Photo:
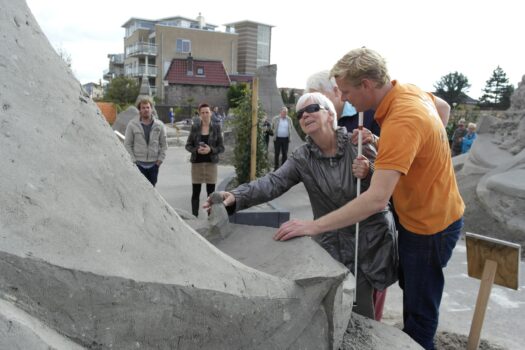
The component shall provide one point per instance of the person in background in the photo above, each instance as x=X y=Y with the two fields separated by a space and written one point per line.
x=469 y=138
x=413 y=166
x=457 y=137
x=282 y=131
x=145 y=141
x=171 y=116
x=324 y=166
x=267 y=131
x=348 y=118
x=205 y=144
x=217 y=117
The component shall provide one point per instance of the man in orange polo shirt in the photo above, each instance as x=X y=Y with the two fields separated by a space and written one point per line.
x=413 y=166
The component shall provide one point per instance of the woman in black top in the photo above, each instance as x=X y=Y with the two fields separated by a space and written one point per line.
x=204 y=143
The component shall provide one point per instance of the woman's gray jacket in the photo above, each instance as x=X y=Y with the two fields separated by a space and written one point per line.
x=330 y=185
x=214 y=140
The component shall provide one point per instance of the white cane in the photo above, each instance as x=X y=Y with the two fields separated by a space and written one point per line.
x=359 y=153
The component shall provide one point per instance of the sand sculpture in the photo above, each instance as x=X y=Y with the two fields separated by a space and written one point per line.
x=123 y=118
x=492 y=174
x=91 y=256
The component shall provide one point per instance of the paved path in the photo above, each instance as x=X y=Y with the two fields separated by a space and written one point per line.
x=504 y=320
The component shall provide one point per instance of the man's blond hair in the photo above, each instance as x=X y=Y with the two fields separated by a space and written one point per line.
x=359 y=64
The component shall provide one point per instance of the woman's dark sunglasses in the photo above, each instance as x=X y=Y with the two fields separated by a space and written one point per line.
x=309 y=109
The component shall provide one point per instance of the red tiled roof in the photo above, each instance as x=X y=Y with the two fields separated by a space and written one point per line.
x=214 y=73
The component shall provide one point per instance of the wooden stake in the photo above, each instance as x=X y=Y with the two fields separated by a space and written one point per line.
x=255 y=105
x=487 y=280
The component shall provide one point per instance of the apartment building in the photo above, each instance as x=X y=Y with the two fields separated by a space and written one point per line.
x=151 y=47
x=116 y=66
x=254 y=45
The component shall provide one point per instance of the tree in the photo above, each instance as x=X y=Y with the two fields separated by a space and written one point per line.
x=284 y=97
x=242 y=130
x=505 y=99
x=235 y=93
x=291 y=97
x=452 y=87
x=123 y=91
x=190 y=101
x=497 y=90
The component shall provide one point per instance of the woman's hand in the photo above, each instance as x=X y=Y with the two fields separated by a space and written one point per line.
x=295 y=228
x=360 y=167
x=204 y=149
x=228 y=199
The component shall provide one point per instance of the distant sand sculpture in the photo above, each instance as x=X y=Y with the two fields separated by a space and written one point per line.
x=492 y=175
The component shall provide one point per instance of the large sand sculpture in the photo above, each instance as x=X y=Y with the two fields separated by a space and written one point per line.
x=492 y=175
x=91 y=256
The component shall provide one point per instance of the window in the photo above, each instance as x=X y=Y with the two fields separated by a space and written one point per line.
x=185 y=24
x=183 y=46
x=200 y=70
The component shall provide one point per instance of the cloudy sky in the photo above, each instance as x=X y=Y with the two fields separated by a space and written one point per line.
x=421 y=40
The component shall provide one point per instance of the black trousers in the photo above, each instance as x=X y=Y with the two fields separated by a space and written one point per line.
x=280 y=146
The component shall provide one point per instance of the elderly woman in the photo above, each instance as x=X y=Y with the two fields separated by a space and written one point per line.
x=469 y=138
x=204 y=143
x=324 y=166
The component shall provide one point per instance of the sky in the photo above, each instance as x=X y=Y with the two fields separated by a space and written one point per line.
x=420 y=40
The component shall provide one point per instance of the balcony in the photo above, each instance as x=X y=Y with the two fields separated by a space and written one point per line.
x=116 y=59
x=149 y=70
x=141 y=49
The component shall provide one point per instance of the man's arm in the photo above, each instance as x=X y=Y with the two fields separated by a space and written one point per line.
x=370 y=202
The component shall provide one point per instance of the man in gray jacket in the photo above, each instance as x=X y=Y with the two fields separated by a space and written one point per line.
x=146 y=141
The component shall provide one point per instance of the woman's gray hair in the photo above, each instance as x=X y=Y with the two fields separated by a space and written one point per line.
x=322 y=100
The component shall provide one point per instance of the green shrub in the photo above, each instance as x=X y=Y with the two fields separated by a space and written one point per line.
x=241 y=126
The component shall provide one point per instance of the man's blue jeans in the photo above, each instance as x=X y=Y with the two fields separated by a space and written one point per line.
x=150 y=173
x=421 y=262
